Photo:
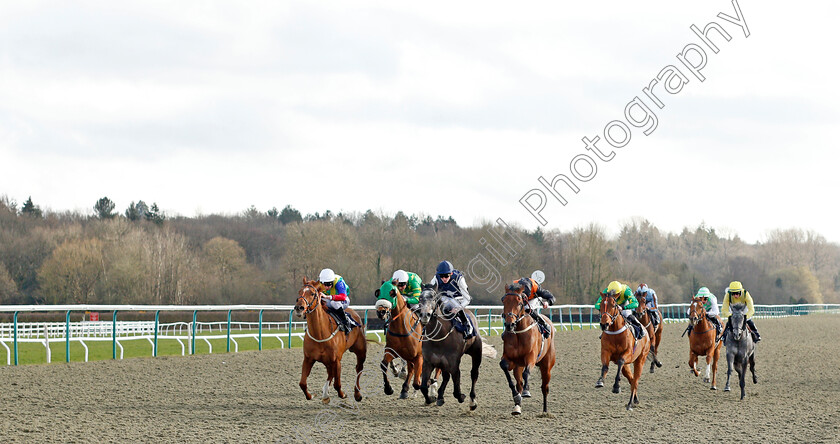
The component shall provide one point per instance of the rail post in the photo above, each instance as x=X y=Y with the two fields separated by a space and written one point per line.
x=259 y=341
x=15 y=334
x=192 y=338
x=114 y=336
x=228 y=332
x=489 y=327
x=67 y=337
x=290 y=327
x=157 y=325
x=571 y=324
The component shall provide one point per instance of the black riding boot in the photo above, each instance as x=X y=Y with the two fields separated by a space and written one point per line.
x=544 y=329
x=725 y=331
x=718 y=327
x=756 y=335
x=654 y=318
x=465 y=322
x=637 y=326
x=345 y=323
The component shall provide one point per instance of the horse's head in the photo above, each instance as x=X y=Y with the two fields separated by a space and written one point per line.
x=696 y=312
x=641 y=308
x=428 y=303
x=609 y=310
x=738 y=320
x=308 y=298
x=514 y=306
x=384 y=304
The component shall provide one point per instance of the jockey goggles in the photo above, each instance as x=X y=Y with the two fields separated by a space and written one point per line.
x=446 y=275
x=327 y=284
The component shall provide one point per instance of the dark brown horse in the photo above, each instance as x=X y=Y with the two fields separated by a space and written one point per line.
x=443 y=348
x=643 y=315
x=620 y=346
x=402 y=341
x=701 y=342
x=524 y=347
x=325 y=343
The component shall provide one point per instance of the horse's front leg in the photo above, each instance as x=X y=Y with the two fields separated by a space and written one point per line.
x=742 y=373
x=456 y=384
x=752 y=368
x=424 y=382
x=337 y=376
x=517 y=398
x=409 y=375
x=383 y=366
x=709 y=356
x=605 y=366
x=442 y=387
x=307 y=368
x=616 y=387
x=692 y=363
x=728 y=370
x=525 y=374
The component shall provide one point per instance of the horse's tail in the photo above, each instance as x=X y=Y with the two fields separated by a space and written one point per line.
x=488 y=350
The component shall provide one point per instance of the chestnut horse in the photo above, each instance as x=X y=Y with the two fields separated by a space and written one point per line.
x=325 y=343
x=643 y=315
x=402 y=341
x=524 y=347
x=620 y=346
x=701 y=342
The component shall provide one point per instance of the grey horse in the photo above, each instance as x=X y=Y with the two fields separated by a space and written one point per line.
x=740 y=347
x=443 y=348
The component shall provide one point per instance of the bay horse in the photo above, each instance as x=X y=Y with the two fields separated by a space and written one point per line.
x=443 y=348
x=620 y=346
x=524 y=347
x=325 y=343
x=644 y=317
x=740 y=348
x=701 y=342
x=402 y=341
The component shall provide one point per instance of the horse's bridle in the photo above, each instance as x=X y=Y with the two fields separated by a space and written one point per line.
x=511 y=314
x=609 y=313
x=310 y=305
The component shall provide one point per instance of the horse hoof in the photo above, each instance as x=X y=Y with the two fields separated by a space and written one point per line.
x=726 y=389
x=755 y=380
x=439 y=402
x=714 y=388
x=629 y=407
x=658 y=364
x=526 y=394
x=651 y=369
x=517 y=399
x=599 y=384
x=461 y=398
x=403 y=395
x=325 y=401
x=517 y=410
x=473 y=405
x=616 y=389
x=308 y=396
x=389 y=390
x=706 y=380
x=357 y=397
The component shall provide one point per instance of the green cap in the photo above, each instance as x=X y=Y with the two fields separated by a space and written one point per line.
x=703 y=292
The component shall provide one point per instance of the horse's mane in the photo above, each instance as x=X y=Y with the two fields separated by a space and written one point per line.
x=516 y=286
x=739 y=308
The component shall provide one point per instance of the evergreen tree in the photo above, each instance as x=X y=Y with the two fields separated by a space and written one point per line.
x=104 y=208
x=29 y=209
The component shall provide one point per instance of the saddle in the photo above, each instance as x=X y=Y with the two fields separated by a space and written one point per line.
x=462 y=328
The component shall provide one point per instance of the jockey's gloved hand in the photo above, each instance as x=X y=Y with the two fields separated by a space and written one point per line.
x=551 y=301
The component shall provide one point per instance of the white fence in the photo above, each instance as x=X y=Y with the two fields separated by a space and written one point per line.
x=564 y=317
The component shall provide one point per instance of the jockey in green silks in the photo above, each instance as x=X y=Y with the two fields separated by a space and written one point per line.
x=623 y=298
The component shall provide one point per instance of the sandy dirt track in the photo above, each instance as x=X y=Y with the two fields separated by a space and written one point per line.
x=254 y=397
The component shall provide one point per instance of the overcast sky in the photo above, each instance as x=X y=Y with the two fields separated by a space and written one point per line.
x=452 y=108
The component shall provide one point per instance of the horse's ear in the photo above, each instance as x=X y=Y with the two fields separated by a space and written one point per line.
x=305 y=281
x=376 y=293
x=428 y=286
x=383 y=281
x=393 y=293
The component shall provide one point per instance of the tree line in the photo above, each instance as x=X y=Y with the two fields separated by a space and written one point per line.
x=143 y=256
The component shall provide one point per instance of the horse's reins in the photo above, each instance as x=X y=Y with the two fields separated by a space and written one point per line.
x=520 y=318
x=316 y=299
x=425 y=337
x=410 y=330
x=698 y=317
